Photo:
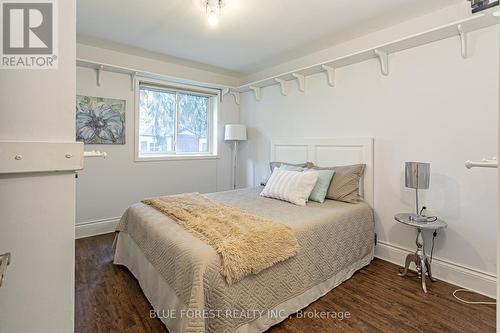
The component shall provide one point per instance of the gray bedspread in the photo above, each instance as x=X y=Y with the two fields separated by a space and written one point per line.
x=332 y=236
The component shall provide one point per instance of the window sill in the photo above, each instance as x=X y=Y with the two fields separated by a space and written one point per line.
x=175 y=158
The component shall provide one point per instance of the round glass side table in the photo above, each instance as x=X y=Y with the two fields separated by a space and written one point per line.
x=420 y=259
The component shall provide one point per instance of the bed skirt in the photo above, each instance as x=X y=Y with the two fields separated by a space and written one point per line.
x=167 y=305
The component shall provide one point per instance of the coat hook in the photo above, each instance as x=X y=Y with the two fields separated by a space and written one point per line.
x=463 y=41
x=224 y=92
x=236 y=95
x=301 y=79
x=384 y=61
x=229 y=91
x=285 y=87
x=330 y=74
x=132 y=81
x=99 y=75
x=257 y=91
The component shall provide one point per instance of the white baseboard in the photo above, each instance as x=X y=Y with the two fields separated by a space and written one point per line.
x=460 y=275
x=97 y=227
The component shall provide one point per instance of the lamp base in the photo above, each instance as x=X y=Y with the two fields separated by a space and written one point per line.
x=418 y=218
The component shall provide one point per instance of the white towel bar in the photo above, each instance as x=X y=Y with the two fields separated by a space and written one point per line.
x=484 y=163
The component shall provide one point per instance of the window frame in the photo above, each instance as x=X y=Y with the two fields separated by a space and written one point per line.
x=214 y=105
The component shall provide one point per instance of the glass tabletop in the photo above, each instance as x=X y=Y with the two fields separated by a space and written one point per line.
x=405 y=219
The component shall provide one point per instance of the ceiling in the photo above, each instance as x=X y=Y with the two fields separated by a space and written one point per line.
x=251 y=35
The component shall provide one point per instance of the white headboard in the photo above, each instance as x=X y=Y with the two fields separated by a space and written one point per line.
x=325 y=152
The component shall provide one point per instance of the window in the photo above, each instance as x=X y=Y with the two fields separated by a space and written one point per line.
x=174 y=123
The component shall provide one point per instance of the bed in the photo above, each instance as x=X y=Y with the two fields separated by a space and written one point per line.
x=180 y=274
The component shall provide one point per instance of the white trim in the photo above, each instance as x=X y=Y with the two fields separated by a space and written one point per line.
x=175 y=157
x=96 y=227
x=445 y=270
x=177 y=87
x=214 y=106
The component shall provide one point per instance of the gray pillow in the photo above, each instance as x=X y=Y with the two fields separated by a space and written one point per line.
x=274 y=165
x=345 y=182
x=305 y=165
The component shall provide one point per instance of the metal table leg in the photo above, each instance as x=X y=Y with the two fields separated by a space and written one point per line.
x=428 y=266
x=409 y=259
x=423 y=271
x=421 y=261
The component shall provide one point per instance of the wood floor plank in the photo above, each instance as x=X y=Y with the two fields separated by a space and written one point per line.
x=109 y=299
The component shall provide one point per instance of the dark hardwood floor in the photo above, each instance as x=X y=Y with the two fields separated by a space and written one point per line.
x=109 y=299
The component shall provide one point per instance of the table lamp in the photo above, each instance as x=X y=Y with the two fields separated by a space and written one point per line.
x=235 y=133
x=417 y=176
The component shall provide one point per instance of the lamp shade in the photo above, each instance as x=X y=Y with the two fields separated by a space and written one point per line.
x=235 y=132
x=417 y=175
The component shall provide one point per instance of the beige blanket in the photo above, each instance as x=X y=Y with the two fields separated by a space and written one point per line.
x=246 y=243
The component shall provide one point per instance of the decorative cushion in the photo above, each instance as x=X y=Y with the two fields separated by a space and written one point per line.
x=319 y=191
x=291 y=186
x=274 y=165
x=289 y=167
x=345 y=182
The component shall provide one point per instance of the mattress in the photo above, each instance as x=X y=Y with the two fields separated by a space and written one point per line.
x=180 y=274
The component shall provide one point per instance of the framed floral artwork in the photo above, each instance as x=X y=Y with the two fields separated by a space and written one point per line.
x=100 y=120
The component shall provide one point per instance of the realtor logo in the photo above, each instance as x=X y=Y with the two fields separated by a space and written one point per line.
x=28 y=34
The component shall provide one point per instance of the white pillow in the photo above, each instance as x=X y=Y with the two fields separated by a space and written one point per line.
x=291 y=186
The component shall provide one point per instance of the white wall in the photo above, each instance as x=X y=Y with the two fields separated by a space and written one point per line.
x=108 y=186
x=435 y=107
x=141 y=60
x=37 y=211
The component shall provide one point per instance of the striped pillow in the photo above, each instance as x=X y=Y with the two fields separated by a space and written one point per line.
x=291 y=186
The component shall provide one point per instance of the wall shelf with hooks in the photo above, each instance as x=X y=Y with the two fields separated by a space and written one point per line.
x=381 y=52
x=459 y=29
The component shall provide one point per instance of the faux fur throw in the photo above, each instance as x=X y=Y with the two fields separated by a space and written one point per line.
x=246 y=243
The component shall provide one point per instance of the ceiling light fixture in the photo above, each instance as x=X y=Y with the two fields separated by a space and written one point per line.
x=213 y=18
x=213 y=9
